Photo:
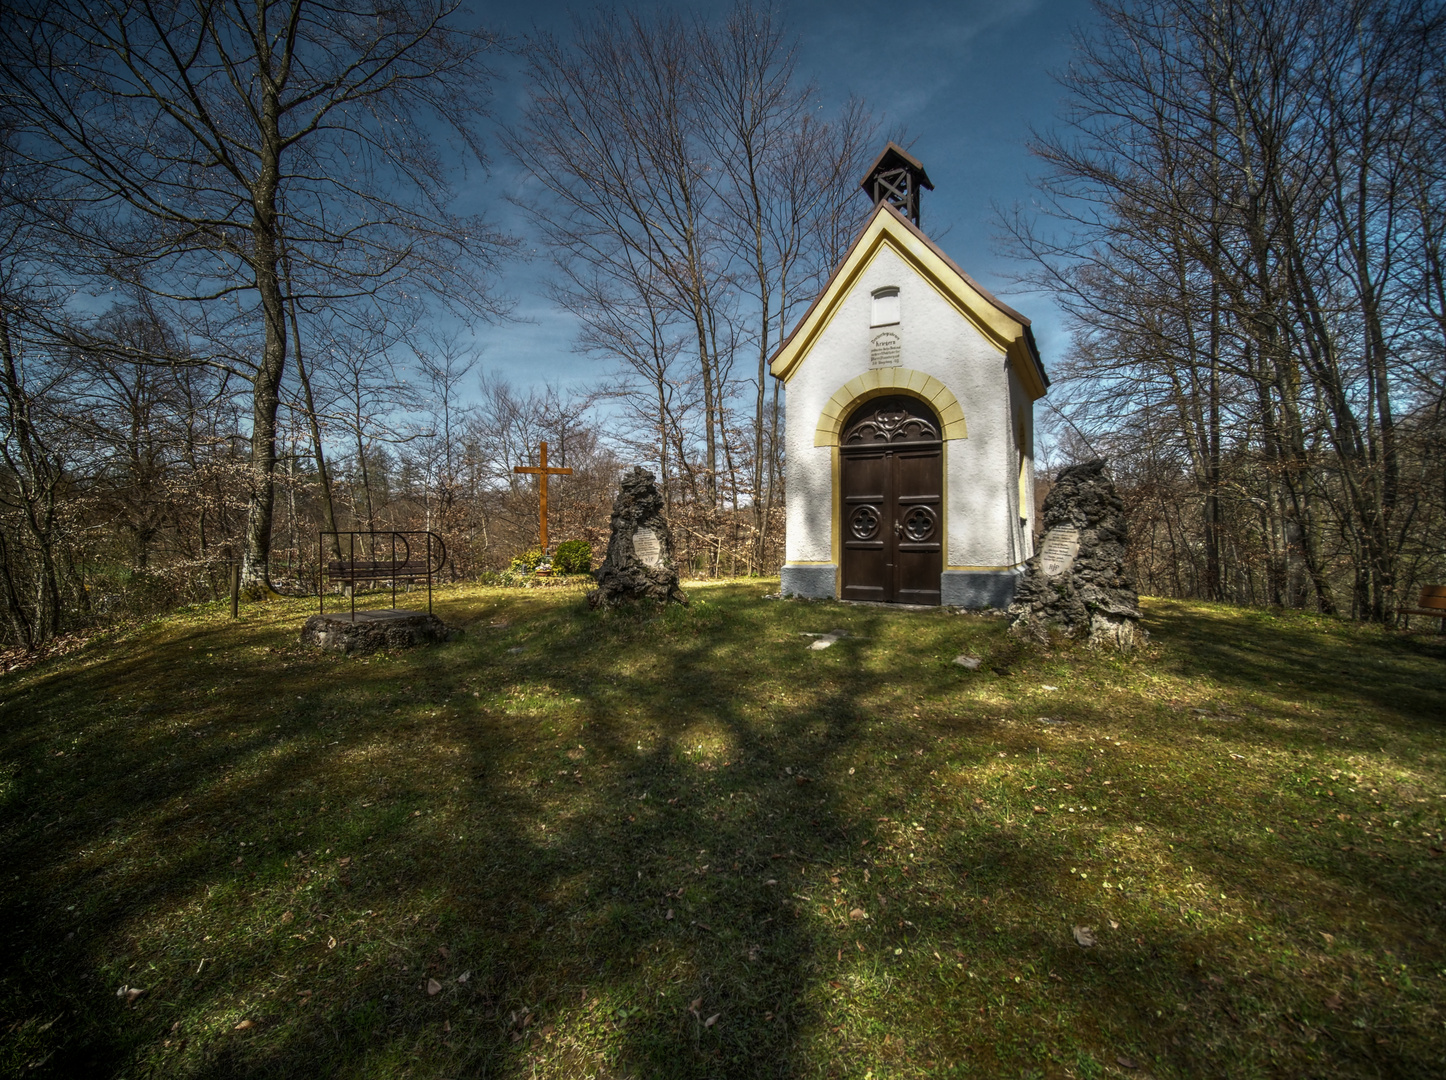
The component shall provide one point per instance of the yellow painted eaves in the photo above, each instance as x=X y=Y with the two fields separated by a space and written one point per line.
x=888 y=229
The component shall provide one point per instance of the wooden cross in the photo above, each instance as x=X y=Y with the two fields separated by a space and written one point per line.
x=543 y=472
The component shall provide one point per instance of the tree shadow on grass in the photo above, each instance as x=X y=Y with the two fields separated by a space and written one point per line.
x=1296 y=656
x=556 y=903
x=536 y=838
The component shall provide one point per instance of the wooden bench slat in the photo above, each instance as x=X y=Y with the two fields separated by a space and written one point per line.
x=1431 y=603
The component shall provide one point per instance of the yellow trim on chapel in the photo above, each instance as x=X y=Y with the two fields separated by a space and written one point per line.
x=877 y=383
x=886 y=230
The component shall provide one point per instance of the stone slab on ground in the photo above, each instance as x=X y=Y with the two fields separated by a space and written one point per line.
x=370 y=631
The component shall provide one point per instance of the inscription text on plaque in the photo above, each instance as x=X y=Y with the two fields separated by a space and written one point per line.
x=1058 y=550
x=647 y=548
x=885 y=350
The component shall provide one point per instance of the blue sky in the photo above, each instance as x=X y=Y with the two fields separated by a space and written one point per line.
x=967 y=79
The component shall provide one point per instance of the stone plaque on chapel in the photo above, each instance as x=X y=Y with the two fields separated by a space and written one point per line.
x=645 y=544
x=1057 y=552
x=885 y=350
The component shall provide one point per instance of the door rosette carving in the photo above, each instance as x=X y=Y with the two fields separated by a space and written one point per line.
x=865 y=523
x=919 y=524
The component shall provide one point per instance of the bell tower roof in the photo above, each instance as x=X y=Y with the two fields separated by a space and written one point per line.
x=896 y=177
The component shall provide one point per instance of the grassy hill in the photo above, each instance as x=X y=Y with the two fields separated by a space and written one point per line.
x=574 y=844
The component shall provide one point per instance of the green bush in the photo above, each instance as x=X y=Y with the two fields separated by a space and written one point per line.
x=573 y=557
x=526 y=563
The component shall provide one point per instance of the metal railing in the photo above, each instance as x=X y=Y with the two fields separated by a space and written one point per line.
x=374 y=569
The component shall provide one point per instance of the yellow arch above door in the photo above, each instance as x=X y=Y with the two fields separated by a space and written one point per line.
x=879 y=382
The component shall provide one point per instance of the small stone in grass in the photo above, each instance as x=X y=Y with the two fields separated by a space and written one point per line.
x=433 y=987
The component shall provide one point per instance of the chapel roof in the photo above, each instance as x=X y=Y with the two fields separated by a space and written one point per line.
x=1006 y=327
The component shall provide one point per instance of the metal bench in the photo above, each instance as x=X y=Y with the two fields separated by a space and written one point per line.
x=1432 y=603
x=390 y=559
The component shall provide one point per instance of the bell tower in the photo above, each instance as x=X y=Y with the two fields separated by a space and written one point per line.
x=896 y=178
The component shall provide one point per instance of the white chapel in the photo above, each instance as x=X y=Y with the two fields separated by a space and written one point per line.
x=910 y=421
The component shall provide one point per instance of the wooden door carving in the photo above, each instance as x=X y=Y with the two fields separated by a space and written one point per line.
x=892 y=478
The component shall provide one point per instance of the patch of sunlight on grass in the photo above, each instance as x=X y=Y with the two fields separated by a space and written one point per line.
x=1246 y=813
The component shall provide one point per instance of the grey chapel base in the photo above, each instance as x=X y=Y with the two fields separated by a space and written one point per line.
x=816 y=581
x=978 y=588
x=957 y=588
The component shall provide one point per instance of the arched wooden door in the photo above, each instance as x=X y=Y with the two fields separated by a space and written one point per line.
x=892 y=477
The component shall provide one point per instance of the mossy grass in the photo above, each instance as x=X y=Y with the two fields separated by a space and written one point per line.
x=684 y=844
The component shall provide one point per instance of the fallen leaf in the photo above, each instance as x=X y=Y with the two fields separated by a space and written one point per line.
x=433 y=987
x=697 y=1004
x=464 y=976
x=444 y=952
x=286 y=917
x=244 y=1025
x=970 y=662
x=1126 y=1063
x=711 y=1020
x=669 y=915
x=1334 y=1002
x=858 y=913
x=1040 y=810
x=1085 y=936
x=133 y=993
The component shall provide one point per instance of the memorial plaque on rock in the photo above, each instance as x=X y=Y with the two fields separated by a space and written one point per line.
x=1057 y=552
x=640 y=564
x=647 y=548
x=1065 y=594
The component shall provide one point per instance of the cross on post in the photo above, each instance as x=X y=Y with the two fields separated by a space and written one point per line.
x=543 y=472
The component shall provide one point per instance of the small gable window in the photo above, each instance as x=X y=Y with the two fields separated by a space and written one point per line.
x=886 y=306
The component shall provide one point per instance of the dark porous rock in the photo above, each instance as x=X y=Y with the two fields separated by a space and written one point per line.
x=370 y=631
x=640 y=564
x=1076 y=583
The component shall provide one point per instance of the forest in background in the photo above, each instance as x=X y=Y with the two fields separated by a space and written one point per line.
x=229 y=244
x=1245 y=219
x=228 y=256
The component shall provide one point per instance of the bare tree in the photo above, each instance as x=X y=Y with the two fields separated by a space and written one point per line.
x=691 y=194
x=783 y=183
x=1244 y=241
x=201 y=137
